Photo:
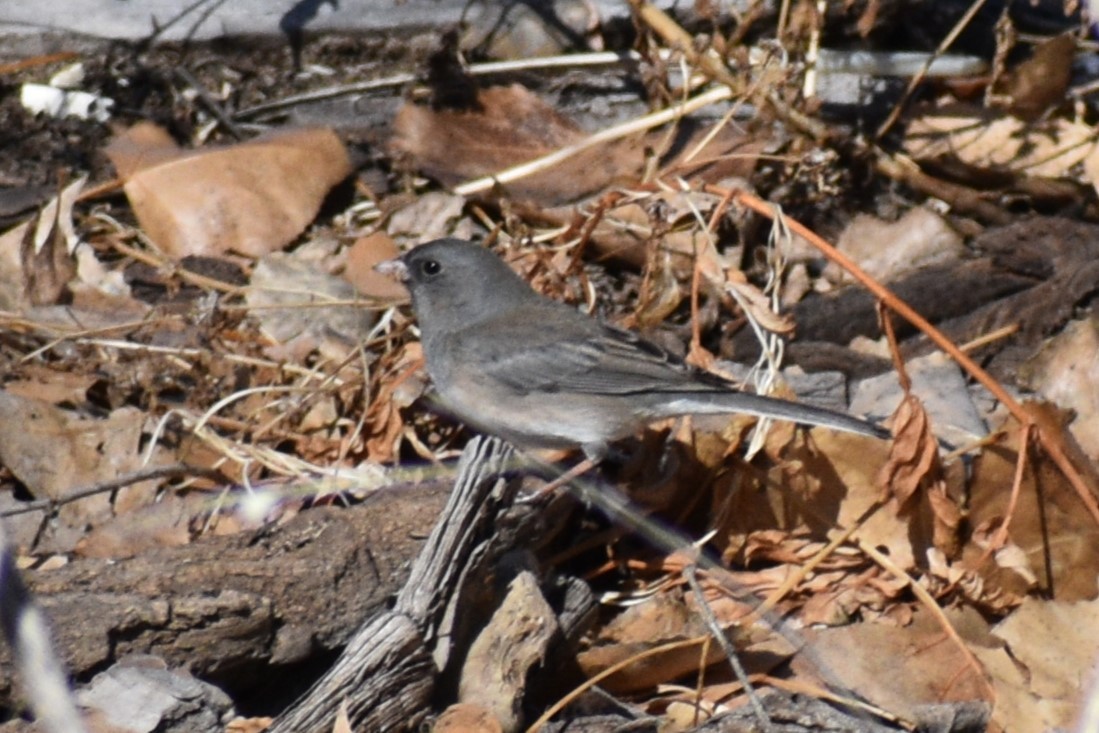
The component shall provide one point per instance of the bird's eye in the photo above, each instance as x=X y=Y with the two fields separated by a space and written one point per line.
x=430 y=267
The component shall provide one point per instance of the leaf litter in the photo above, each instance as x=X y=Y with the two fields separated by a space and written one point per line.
x=225 y=317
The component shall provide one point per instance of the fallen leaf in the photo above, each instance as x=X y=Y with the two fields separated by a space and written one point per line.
x=1039 y=676
x=1017 y=708
x=252 y=198
x=431 y=215
x=914 y=455
x=642 y=627
x=1066 y=372
x=1040 y=82
x=840 y=470
x=913 y=480
x=511 y=125
x=1047 y=507
x=1054 y=641
x=303 y=308
x=162 y=524
x=897 y=669
x=362 y=256
x=52 y=386
x=53 y=452
x=145 y=145
x=398 y=387
x=508 y=125
x=889 y=250
x=1000 y=143
x=37 y=257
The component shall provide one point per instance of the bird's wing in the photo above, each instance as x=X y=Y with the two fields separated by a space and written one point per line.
x=588 y=357
x=585 y=356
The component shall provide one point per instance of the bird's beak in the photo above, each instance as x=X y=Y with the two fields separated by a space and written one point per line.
x=394 y=268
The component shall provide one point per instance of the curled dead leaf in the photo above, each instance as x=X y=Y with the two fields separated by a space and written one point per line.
x=756 y=304
x=914 y=454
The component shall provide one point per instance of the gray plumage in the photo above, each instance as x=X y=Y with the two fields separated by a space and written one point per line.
x=511 y=362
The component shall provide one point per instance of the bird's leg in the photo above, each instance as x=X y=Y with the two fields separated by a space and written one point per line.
x=576 y=471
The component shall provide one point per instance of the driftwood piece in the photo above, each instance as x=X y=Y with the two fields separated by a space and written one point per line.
x=517 y=640
x=386 y=675
x=228 y=607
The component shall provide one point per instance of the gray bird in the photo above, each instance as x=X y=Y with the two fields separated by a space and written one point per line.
x=510 y=362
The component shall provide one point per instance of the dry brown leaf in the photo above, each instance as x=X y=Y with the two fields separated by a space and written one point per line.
x=706 y=155
x=889 y=250
x=627 y=231
x=47 y=266
x=1066 y=371
x=362 y=256
x=50 y=385
x=144 y=145
x=661 y=619
x=999 y=143
x=660 y=293
x=1051 y=643
x=252 y=198
x=53 y=452
x=163 y=524
x=302 y=308
x=913 y=457
x=383 y=423
x=1017 y=708
x=846 y=466
x=430 y=215
x=823 y=481
x=896 y=668
x=510 y=125
x=36 y=257
x=832 y=607
x=1041 y=81
x=1058 y=526
x=914 y=481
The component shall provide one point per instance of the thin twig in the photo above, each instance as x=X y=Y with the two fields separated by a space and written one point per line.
x=397 y=80
x=144 y=474
x=690 y=574
x=215 y=108
x=23 y=64
x=946 y=43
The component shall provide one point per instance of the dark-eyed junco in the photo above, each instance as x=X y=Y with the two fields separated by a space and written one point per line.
x=513 y=363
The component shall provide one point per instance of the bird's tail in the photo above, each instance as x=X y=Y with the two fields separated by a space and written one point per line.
x=713 y=403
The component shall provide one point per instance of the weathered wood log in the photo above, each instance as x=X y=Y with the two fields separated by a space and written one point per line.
x=386 y=675
x=230 y=607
